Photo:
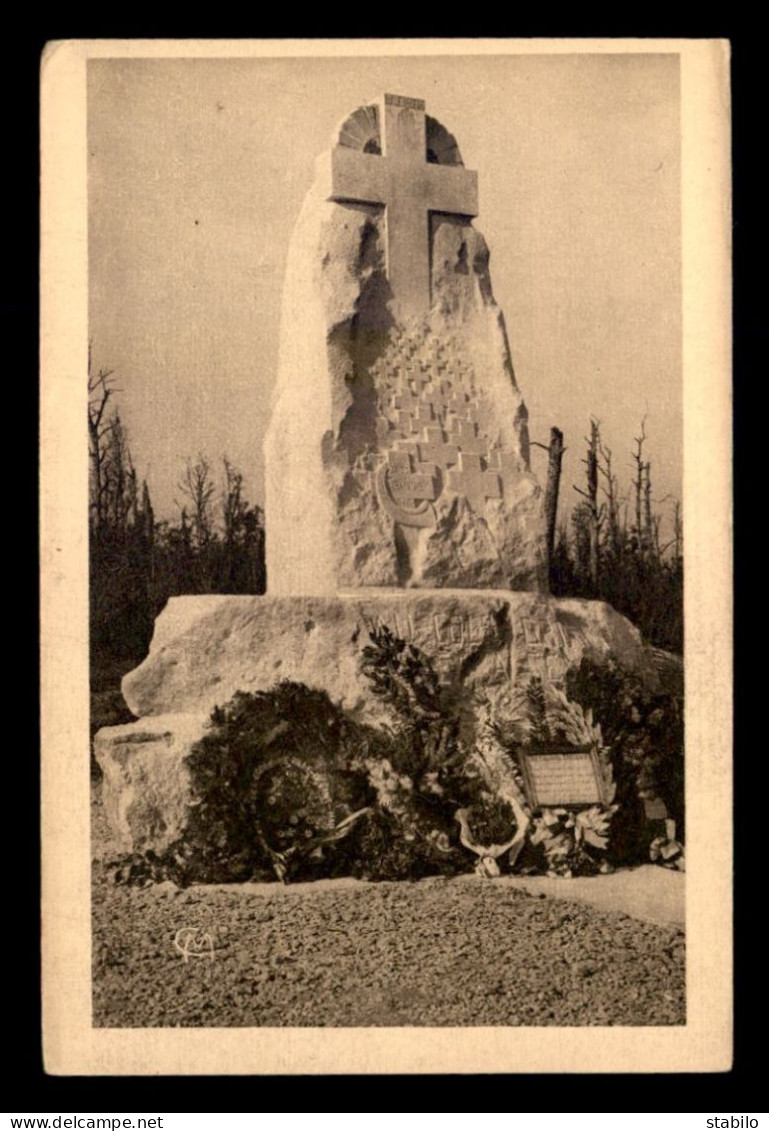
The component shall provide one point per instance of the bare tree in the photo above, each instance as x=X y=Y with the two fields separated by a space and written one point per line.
x=640 y=489
x=234 y=505
x=119 y=476
x=594 y=513
x=677 y=541
x=243 y=536
x=580 y=526
x=610 y=487
x=678 y=532
x=651 y=526
x=101 y=388
x=555 y=451
x=197 y=486
x=121 y=536
x=114 y=502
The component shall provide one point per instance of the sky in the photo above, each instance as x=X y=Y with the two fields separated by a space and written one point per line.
x=197 y=172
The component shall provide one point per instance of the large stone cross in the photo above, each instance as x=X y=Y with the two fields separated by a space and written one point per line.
x=401 y=179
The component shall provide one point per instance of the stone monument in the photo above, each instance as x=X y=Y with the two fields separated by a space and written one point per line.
x=398 y=447
x=399 y=489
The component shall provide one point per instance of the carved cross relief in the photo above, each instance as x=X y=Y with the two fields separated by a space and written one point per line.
x=429 y=431
x=428 y=406
x=401 y=179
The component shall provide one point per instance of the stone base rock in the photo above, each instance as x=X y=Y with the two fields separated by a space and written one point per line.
x=207 y=648
x=146 y=789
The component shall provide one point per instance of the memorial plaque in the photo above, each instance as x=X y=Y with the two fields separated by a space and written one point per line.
x=563 y=777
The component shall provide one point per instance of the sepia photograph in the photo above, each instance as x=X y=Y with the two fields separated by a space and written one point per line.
x=390 y=506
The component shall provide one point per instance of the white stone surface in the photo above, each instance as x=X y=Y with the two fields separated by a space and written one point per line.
x=657 y=895
x=398 y=452
x=207 y=648
x=146 y=788
x=400 y=178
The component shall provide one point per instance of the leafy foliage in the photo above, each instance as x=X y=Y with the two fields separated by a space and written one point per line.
x=573 y=843
x=428 y=714
x=402 y=674
x=405 y=678
x=277 y=768
x=428 y=773
x=288 y=784
x=385 y=847
x=536 y=704
x=645 y=733
x=278 y=775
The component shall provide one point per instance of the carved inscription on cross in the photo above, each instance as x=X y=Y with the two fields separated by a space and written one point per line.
x=406 y=494
x=409 y=488
x=402 y=180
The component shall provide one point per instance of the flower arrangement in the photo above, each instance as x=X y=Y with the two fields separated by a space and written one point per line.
x=667 y=852
x=288 y=784
x=645 y=730
x=574 y=842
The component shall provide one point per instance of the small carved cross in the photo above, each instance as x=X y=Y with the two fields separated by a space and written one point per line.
x=476 y=485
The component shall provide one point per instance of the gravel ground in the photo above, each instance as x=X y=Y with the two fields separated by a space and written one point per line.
x=340 y=953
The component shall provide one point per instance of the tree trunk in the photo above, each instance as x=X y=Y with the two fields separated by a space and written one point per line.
x=649 y=539
x=592 y=491
x=555 y=455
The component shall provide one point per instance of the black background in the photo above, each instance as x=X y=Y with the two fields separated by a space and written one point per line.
x=27 y=1089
